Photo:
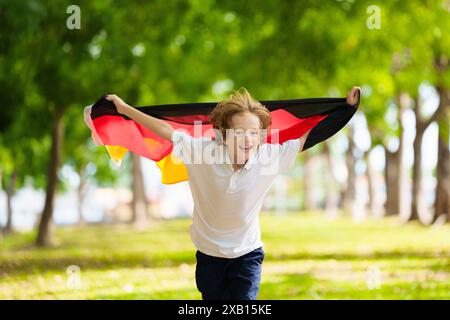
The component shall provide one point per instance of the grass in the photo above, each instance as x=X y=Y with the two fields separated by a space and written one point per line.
x=307 y=257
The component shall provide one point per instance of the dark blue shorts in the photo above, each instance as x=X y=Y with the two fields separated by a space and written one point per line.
x=223 y=278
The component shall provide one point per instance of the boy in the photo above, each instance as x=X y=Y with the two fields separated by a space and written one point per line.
x=228 y=187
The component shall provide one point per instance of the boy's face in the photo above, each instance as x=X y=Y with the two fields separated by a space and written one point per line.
x=244 y=137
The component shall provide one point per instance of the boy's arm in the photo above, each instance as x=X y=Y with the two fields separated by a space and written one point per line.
x=303 y=140
x=161 y=128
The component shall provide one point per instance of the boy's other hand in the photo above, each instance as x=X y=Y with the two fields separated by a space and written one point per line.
x=353 y=95
x=121 y=106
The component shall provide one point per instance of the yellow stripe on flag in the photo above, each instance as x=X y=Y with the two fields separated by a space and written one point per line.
x=116 y=153
x=172 y=172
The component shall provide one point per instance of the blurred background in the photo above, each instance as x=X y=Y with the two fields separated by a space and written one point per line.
x=363 y=215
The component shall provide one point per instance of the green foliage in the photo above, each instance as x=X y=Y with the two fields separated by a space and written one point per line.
x=178 y=51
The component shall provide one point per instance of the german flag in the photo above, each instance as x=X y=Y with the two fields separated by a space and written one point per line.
x=292 y=118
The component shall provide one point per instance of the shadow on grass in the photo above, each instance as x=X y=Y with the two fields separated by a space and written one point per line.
x=306 y=287
x=118 y=260
x=33 y=265
x=286 y=286
x=357 y=256
x=180 y=294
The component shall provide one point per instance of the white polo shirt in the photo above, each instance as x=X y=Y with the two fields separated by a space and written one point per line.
x=227 y=202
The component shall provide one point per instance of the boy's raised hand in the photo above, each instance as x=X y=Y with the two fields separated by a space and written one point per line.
x=121 y=106
x=353 y=95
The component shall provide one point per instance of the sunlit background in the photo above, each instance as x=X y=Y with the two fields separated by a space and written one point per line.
x=364 y=214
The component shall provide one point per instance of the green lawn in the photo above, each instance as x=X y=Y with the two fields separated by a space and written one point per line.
x=307 y=257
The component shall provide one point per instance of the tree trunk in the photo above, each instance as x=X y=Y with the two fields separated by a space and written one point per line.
x=331 y=185
x=44 y=231
x=81 y=196
x=372 y=195
x=395 y=170
x=9 y=196
x=1 y=187
x=417 y=196
x=442 y=202
x=349 y=196
x=139 y=203
x=421 y=126
x=392 y=187
x=310 y=194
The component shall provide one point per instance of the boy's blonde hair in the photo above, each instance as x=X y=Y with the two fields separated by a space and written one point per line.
x=240 y=101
